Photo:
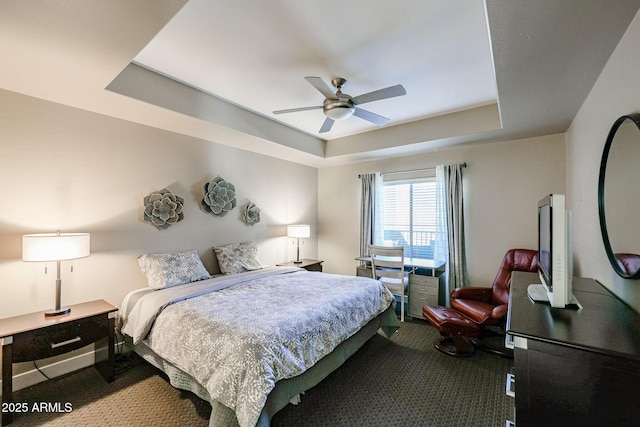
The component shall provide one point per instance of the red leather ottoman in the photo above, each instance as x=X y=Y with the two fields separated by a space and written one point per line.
x=454 y=329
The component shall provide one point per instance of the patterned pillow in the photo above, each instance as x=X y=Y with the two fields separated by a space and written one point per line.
x=167 y=270
x=237 y=258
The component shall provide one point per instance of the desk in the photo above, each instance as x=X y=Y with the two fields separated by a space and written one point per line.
x=423 y=289
x=413 y=264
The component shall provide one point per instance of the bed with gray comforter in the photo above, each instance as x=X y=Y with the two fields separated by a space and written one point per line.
x=249 y=342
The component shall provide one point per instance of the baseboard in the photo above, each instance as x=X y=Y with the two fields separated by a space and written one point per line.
x=57 y=369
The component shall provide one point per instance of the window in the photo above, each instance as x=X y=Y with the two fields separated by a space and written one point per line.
x=409 y=214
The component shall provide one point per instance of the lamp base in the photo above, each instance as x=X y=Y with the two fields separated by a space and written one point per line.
x=297 y=262
x=61 y=311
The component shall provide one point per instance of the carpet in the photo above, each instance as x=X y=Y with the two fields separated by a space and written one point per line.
x=388 y=382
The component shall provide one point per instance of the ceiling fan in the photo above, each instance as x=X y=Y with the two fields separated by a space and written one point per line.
x=340 y=106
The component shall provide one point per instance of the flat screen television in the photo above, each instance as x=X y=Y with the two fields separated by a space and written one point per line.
x=555 y=266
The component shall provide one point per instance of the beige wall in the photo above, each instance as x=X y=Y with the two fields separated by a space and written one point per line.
x=503 y=183
x=68 y=169
x=616 y=93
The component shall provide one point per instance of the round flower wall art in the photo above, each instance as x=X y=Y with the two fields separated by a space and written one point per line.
x=251 y=214
x=219 y=197
x=163 y=208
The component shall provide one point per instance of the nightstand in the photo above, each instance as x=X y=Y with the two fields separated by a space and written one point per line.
x=34 y=336
x=307 y=264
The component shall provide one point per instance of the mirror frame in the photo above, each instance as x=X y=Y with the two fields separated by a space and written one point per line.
x=635 y=117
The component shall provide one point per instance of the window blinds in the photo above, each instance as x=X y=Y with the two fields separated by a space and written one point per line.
x=409 y=214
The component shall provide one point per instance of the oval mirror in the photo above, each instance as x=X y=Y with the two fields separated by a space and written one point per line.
x=619 y=196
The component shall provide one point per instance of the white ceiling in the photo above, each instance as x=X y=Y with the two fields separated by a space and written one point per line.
x=475 y=71
x=256 y=54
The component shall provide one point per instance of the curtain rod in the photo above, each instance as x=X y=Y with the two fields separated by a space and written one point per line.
x=464 y=165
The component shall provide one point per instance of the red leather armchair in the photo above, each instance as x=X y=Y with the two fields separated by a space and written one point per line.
x=488 y=306
x=629 y=263
x=474 y=309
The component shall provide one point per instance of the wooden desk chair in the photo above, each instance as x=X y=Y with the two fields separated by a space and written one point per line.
x=387 y=266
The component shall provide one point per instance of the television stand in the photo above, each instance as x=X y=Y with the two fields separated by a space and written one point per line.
x=574 y=367
x=538 y=293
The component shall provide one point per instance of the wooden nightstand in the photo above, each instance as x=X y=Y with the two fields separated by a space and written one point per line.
x=34 y=336
x=307 y=264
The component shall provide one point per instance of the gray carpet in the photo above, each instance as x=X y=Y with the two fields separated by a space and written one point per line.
x=403 y=381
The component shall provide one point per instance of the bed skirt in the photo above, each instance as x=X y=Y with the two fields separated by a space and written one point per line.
x=285 y=390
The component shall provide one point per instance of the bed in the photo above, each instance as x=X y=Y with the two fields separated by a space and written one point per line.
x=250 y=342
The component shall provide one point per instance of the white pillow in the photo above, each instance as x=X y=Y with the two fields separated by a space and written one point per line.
x=167 y=270
x=236 y=258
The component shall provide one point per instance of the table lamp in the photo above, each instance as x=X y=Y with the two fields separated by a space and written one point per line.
x=55 y=247
x=299 y=231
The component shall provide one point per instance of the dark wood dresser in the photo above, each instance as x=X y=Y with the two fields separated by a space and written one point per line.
x=574 y=367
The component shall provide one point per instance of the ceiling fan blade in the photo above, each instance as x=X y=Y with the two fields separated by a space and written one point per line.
x=389 y=92
x=322 y=87
x=293 y=110
x=371 y=117
x=326 y=126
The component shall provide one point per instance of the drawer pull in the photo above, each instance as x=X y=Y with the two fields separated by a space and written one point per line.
x=511 y=385
x=509 y=341
x=60 y=344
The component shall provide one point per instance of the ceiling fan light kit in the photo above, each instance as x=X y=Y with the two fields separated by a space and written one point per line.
x=340 y=106
x=338 y=110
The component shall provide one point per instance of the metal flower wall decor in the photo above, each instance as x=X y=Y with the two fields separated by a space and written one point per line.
x=219 y=197
x=163 y=208
x=251 y=214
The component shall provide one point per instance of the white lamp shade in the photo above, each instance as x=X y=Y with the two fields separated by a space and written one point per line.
x=55 y=246
x=300 y=231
